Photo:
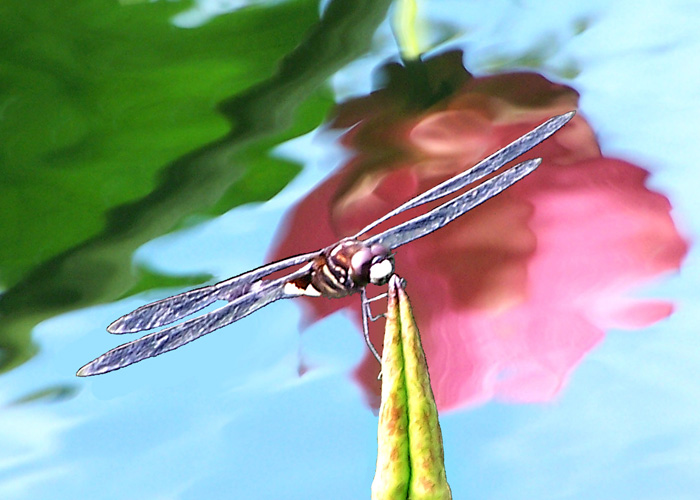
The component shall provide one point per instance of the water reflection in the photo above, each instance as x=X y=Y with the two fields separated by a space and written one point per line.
x=93 y=262
x=52 y=394
x=511 y=297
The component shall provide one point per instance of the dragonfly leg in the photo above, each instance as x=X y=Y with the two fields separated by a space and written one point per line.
x=366 y=313
x=366 y=304
x=378 y=297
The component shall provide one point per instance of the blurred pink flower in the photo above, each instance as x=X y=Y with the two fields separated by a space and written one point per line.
x=510 y=297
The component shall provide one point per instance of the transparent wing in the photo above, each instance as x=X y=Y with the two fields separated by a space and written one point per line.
x=449 y=211
x=483 y=168
x=177 y=307
x=153 y=344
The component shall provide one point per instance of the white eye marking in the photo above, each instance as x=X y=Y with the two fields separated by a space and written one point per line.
x=381 y=270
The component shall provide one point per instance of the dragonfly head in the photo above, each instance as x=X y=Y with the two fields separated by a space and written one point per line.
x=373 y=264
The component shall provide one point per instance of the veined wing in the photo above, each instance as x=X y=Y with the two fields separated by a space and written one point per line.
x=261 y=293
x=449 y=211
x=483 y=168
x=173 y=308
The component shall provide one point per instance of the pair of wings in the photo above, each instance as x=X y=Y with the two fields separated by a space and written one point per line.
x=248 y=292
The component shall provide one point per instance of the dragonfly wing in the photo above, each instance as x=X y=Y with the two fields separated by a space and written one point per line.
x=164 y=311
x=153 y=344
x=173 y=308
x=483 y=168
x=449 y=211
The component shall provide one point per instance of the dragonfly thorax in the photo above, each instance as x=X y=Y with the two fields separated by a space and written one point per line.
x=349 y=266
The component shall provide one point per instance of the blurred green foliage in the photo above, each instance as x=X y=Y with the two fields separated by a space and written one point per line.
x=118 y=127
x=98 y=97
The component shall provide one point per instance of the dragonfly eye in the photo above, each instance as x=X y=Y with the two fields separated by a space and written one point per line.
x=371 y=265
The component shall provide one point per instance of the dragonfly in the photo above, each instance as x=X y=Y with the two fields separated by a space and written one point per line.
x=338 y=270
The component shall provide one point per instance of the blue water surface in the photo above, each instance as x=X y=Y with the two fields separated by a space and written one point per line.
x=229 y=416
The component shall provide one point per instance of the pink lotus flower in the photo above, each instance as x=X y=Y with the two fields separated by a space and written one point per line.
x=510 y=297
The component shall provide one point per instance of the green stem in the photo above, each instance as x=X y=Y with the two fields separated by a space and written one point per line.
x=404 y=27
